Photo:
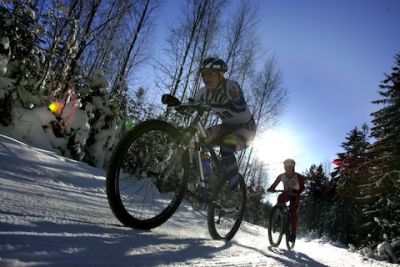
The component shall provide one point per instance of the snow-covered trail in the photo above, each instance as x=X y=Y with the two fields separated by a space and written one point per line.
x=54 y=212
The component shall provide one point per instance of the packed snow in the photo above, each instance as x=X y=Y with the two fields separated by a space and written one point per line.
x=54 y=212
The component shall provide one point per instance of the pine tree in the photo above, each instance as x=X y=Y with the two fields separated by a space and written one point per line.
x=136 y=105
x=255 y=190
x=344 y=210
x=385 y=152
x=313 y=215
x=18 y=25
x=17 y=22
x=352 y=171
x=382 y=216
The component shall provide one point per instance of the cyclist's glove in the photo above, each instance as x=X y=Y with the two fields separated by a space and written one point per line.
x=185 y=110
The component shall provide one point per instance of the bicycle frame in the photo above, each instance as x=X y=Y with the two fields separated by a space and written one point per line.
x=285 y=206
x=165 y=166
x=192 y=134
x=288 y=206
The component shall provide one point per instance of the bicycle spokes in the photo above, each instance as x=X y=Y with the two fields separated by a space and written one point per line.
x=226 y=210
x=150 y=174
x=276 y=224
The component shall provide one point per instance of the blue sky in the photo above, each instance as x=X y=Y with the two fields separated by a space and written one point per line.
x=333 y=56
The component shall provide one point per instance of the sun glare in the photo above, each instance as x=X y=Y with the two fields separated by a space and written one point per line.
x=56 y=108
x=272 y=147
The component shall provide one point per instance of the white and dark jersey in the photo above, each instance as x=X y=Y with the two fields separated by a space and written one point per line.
x=290 y=184
x=294 y=183
x=234 y=109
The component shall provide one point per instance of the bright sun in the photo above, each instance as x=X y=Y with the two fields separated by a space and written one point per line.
x=273 y=147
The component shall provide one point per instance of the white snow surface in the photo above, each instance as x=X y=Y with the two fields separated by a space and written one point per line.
x=54 y=212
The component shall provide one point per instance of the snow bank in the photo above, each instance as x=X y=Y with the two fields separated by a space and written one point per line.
x=54 y=212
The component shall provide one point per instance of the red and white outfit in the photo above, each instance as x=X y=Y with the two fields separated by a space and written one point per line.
x=296 y=182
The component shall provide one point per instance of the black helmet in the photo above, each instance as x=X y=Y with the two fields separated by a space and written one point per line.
x=214 y=63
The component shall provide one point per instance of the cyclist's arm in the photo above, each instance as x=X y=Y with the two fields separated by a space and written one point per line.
x=301 y=183
x=275 y=184
x=237 y=102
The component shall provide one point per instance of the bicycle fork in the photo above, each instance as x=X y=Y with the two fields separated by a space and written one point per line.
x=201 y=177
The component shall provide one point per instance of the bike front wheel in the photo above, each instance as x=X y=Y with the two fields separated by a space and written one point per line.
x=147 y=175
x=276 y=226
x=289 y=244
x=226 y=209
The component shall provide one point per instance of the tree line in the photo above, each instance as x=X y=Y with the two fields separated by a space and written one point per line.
x=95 y=50
x=359 y=202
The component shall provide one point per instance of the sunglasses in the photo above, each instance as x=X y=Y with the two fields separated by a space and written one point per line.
x=209 y=72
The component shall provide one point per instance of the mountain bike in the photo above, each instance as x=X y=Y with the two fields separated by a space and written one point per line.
x=155 y=164
x=279 y=224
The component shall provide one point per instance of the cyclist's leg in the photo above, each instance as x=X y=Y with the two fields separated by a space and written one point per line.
x=283 y=198
x=231 y=169
x=223 y=134
x=234 y=141
x=219 y=135
x=294 y=206
x=230 y=140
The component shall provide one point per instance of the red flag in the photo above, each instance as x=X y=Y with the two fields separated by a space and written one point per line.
x=337 y=162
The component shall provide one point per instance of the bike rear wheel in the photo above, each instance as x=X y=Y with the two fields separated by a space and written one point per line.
x=147 y=175
x=276 y=225
x=224 y=221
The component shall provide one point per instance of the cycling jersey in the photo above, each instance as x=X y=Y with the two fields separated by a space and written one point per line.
x=233 y=108
x=238 y=128
x=296 y=182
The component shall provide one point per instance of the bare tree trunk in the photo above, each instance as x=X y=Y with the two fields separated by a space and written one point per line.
x=104 y=52
x=193 y=25
x=82 y=45
x=207 y=35
x=269 y=98
x=122 y=72
x=187 y=78
x=242 y=41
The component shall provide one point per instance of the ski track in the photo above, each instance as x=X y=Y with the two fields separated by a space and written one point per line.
x=54 y=212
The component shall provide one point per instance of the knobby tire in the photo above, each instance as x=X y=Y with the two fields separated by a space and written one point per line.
x=114 y=172
x=275 y=212
x=213 y=209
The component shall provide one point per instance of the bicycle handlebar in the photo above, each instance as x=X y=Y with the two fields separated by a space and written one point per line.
x=291 y=192
x=199 y=107
x=173 y=102
x=182 y=108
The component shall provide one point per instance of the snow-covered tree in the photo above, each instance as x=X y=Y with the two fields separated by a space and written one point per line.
x=255 y=180
x=18 y=24
x=20 y=31
x=315 y=200
x=382 y=187
x=351 y=171
x=385 y=152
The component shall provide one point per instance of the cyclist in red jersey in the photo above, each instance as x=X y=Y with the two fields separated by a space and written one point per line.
x=293 y=185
